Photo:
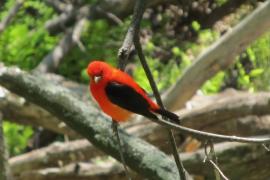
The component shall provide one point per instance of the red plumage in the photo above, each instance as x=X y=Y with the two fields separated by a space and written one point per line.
x=118 y=95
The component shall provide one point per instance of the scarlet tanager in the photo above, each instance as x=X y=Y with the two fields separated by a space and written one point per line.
x=118 y=95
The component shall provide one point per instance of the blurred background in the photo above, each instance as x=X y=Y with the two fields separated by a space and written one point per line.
x=60 y=38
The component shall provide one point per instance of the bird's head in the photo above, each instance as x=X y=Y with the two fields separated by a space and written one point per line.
x=97 y=70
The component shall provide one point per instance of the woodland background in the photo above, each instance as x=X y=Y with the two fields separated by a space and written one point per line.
x=54 y=40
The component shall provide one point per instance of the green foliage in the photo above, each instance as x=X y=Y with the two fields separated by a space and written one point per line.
x=25 y=42
x=196 y=26
x=259 y=54
x=214 y=84
x=255 y=75
x=16 y=137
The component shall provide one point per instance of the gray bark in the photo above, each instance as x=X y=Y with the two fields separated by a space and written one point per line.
x=219 y=56
x=236 y=160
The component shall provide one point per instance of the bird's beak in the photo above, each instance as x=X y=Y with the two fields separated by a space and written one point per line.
x=97 y=79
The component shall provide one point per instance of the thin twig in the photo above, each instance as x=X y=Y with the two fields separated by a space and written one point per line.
x=138 y=13
x=265 y=147
x=126 y=47
x=120 y=147
x=211 y=157
x=157 y=96
x=218 y=169
x=123 y=55
x=206 y=135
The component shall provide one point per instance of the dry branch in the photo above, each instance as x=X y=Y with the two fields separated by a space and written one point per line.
x=230 y=107
x=17 y=110
x=108 y=170
x=55 y=155
x=219 y=56
x=237 y=161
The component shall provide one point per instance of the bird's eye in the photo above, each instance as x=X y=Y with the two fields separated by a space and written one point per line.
x=97 y=79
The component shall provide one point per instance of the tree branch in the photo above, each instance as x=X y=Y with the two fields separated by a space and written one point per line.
x=231 y=155
x=12 y=78
x=106 y=170
x=16 y=109
x=58 y=5
x=218 y=57
x=251 y=162
x=232 y=106
x=140 y=156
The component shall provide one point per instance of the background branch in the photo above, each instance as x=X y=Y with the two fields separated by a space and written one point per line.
x=250 y=160
x=218 y=57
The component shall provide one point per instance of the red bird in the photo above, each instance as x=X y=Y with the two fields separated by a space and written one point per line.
x=118 y=95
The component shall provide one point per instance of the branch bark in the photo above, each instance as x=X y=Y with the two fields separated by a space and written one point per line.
x=17 y=110
x=140 y=156
x=56 y=155
x=250 y=162
x=218 y=57
x=230 y=107
x=237 y=161
x=107 y=170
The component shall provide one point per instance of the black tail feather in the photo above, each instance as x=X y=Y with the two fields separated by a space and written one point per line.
x=171 y=116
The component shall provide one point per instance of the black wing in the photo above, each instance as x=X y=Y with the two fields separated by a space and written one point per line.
x=127 y=98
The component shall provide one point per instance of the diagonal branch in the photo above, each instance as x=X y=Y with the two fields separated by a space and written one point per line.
x=231 y=107
x=219 y=56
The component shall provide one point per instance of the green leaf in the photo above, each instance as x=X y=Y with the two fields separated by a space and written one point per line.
x=256 y=72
